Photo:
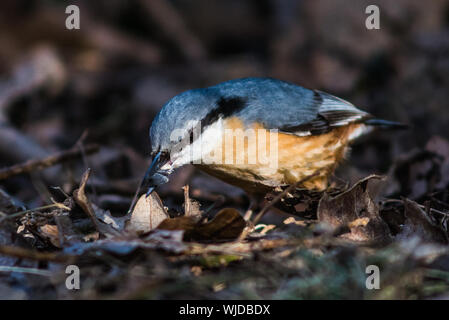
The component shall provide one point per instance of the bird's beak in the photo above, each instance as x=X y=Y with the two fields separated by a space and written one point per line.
x=156 y=175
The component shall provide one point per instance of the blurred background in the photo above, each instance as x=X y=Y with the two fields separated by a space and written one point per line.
x=105 y=82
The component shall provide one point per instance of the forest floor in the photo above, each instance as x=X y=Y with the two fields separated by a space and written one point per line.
x=76 y=105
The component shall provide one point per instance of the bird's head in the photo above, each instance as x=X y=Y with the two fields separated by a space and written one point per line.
x=175 y=134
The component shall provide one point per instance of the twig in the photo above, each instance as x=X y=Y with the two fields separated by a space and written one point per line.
x=39 y=164
x=82 y=200
x=20 y=213
x=33 y=255
x=218 y=202
x=80 y=144
x=281 y=195
x=239 y=248
x=419 y=205
x=186 y=200
x=38 y=272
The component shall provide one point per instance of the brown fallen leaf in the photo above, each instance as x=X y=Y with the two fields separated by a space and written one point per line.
x=349 y=209
x=23 y=253
x=418 y=223
x=228 y=224
x=358 y=222
x=50 y=232
x=187 y=224
x=346 y=228
x=148 y=213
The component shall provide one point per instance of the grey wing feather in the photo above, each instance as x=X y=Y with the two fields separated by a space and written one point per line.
x=338 y=111
x=291 y=108
x=331 y=112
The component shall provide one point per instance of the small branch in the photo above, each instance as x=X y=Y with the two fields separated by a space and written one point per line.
x=35 y=271
x=39 y=164
x=20 y=213
x=186 y=200
x=32 y=254
x=82 y=200
x=281 y=195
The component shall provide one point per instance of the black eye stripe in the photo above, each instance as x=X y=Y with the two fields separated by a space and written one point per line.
x=226 y=107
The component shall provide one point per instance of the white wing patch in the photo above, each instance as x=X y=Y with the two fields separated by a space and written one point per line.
x=359 y=131
x=302 y=133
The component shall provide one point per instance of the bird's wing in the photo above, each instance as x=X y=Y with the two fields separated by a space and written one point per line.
x=287 y=107
x=330 y=112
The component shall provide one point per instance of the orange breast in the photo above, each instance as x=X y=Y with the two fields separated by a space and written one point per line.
x=256 y=159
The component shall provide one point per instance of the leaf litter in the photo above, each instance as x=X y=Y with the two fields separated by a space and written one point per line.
x=345 y=229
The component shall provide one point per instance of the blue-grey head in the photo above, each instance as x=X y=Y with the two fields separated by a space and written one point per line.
x=175 y=131
x=186 y=128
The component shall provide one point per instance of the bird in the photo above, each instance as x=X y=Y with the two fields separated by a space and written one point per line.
x=229 y=130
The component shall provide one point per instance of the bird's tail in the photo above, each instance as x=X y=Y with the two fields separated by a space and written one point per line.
x=385 y=124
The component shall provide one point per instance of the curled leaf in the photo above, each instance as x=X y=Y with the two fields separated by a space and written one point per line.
x=418 y=223
x=356 y=210
x=148 y=213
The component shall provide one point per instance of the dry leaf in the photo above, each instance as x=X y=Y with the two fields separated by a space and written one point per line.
x=50 y=232
x=417 y=223
x=228 y=224
x=148 y=213
x=352 y=205
x=186 y=224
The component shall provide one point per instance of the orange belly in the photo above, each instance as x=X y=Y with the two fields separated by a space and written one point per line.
x=259 y=162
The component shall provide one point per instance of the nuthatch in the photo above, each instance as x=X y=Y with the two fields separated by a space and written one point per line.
x=227 y=130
